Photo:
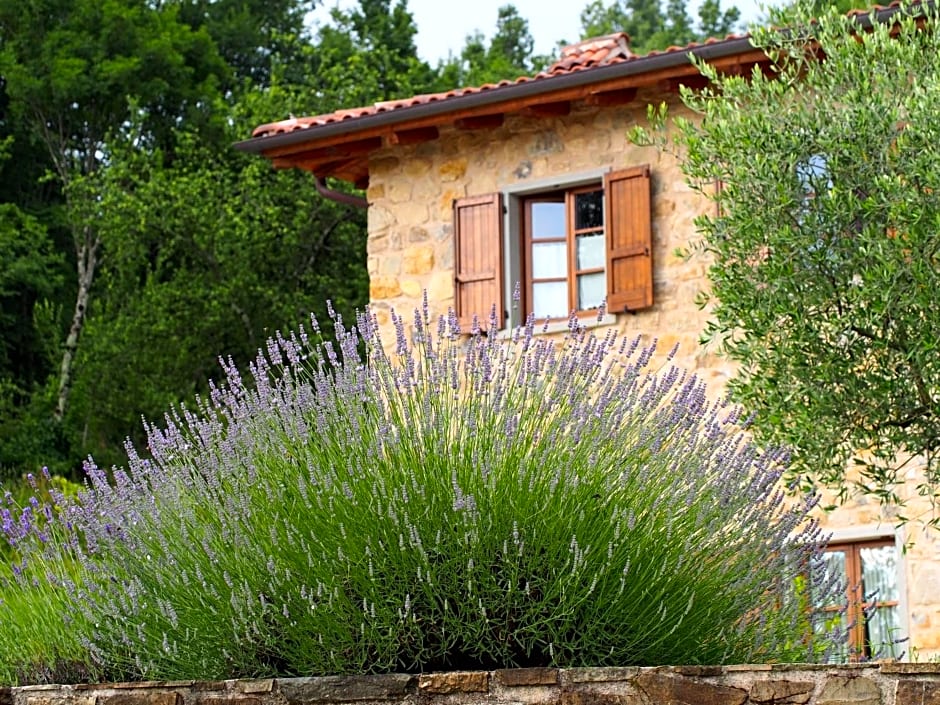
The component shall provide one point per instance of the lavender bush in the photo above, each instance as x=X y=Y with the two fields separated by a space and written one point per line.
x=458 y=502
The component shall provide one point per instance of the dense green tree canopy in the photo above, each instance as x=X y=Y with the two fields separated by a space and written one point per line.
x=826 y=248
x=652 y=26
x=508 y=55
x=141 y=247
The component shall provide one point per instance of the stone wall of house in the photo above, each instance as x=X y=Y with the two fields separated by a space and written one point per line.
x=411 y=250
x=885 y=684
x=412 y=188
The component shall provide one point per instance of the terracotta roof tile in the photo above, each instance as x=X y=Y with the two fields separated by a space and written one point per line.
x=583 y=56
x=586 y=55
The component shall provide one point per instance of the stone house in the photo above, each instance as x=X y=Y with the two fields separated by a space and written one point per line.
x=534 y=183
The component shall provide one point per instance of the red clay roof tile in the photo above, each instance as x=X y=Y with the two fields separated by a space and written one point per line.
x=591 y=53
x=583 y=56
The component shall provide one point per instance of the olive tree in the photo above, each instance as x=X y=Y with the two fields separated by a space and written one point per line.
x=825 y=243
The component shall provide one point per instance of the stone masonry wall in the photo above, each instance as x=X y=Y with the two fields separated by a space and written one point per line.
x=411 y=191
x=885 y=684
x=411 y=249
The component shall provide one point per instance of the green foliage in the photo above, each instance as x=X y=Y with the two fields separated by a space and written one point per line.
x=210 y=254
x=41 y=638
x=826 y=248
x=652 y=28
x=119 y=118
x=367 y=54
x=508 y=56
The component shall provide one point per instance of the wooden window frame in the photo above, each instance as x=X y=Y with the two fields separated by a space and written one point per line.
x=853 y=600
x=567 y=197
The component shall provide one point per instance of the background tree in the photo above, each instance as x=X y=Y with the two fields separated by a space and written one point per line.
x=508 y=55
x=138 y=247
x=368 y=54
x=826 y=248
x=69 y=67
x=650 y=26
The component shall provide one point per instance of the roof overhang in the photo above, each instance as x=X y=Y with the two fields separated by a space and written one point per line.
x=340 y=146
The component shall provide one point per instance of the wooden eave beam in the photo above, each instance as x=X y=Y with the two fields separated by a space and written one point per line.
x=484 y=116
x=620 y=96
x=557 y=109
x=480 y=122
x=337 y=150
x=672 y=85
x=415 y=136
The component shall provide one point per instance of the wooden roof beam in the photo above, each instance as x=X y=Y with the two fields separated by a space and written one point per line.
x=620 y=96
x=480 y=122
x=415 y=136
x=556 y=109
x=338 y=151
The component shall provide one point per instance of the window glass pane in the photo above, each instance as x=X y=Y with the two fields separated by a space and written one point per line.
x=550 y=300
x=548 y=220
x=879 y=573
x=592 y=290
x=834 y=563
x=882 y=630
x=549 y=260
x=589 y=210
x=591 y=251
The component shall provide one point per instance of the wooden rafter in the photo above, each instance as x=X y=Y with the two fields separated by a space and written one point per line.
x=479 y=122
x=415 y=136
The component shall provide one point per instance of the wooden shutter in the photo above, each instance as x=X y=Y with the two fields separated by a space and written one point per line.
x=629 y=239
x=478 y=261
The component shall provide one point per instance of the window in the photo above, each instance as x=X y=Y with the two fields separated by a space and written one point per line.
x=569 y=247
x=870 y=607
x=563 y=252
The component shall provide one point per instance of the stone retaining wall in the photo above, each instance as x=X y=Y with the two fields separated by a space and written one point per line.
x=877 y=684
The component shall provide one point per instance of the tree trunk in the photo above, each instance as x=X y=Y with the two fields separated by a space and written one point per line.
x=87 y=251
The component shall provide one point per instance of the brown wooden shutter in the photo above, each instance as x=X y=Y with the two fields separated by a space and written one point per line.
x=478 y=261
x=629 y=239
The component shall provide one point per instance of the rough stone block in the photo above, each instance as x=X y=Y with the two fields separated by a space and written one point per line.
x=418 y=260
x=589 y=696
x=417 y=234
x=262 y=685
x=782 y=692
x=58 y=699
x=456 y=682
x=225 y=699
x=527 y=676
x=698 y=671
x=661 y=688
x=6 y=696
x=346 y=688
x=441 y=286
x=375 y=192
x=453 y=169
x=140 y=698
x=410 y=287
x=378 y=165
x=599 y=675
x=842 y=690
x=390 y=265
x=911 y=692
x=383 y=287
x=902 y=667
